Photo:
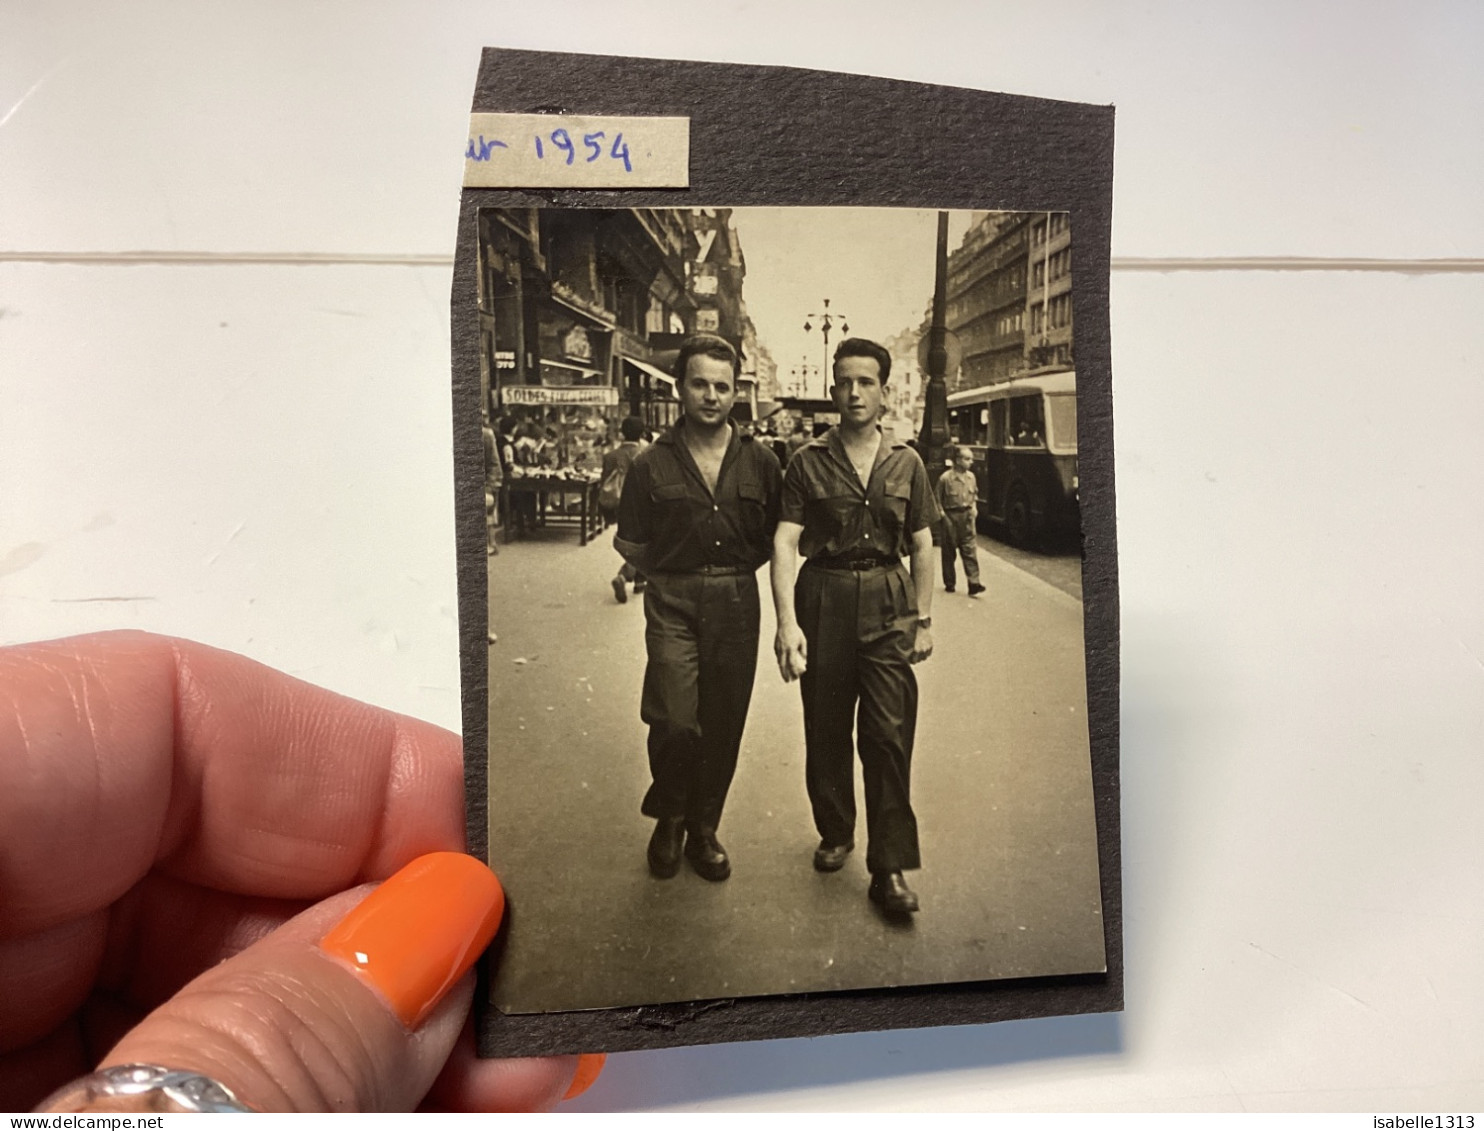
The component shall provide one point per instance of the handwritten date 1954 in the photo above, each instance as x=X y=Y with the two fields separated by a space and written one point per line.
x=562 y=145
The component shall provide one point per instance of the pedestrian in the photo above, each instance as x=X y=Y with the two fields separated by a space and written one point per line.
x=616 y=464
x=854 y=621
x=494 y=478
x=697 y=517
x=958 y=496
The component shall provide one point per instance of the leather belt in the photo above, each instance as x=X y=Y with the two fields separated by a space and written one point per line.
x=857 y=565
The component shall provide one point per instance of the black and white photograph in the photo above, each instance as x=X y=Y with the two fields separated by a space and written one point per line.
x=787 y=682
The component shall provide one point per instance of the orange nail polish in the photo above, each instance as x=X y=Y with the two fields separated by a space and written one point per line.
x=420 y=931
x=589 y=1064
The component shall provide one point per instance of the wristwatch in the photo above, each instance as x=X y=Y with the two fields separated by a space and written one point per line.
x=924 y=622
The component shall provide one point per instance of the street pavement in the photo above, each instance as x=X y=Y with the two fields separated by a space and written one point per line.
x=1001 y=787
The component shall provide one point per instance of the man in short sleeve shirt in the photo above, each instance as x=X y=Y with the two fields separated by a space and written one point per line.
x=856 y=505
x=696 y=518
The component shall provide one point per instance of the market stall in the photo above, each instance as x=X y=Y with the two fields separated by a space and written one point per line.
x=555 y=437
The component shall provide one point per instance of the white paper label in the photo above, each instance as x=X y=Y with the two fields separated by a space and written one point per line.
x=573 y=151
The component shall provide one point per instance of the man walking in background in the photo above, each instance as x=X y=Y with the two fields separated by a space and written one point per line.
x=616 y=464
x=697 y=517
x=958 y=495
x=851 y=627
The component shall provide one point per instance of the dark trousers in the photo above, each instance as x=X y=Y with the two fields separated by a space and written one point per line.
x=860 y=627
x=701 y=633
x=958 y=539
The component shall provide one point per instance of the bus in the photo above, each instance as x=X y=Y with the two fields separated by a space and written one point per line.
x=1023 y=433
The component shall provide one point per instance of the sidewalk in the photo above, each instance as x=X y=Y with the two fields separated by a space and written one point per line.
x=1001 y=788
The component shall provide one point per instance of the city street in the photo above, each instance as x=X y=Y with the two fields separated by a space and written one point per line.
x=1001 y=786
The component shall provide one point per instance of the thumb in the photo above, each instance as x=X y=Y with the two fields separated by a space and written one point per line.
x=353 y=1005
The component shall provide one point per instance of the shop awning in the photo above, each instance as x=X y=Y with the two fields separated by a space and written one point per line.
x=585 y=370
x=645 y=367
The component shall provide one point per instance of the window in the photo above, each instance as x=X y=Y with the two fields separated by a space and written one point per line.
x=1061 y=311
x=997 y=424
x=1063 y=408
x=1027 y=424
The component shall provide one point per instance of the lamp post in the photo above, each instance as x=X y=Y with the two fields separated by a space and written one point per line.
x=826 y=324
x=933 y=438
x=798 y=378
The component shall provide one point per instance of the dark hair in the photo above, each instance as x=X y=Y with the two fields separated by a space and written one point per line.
x=706 y=345
x=631 y=428
x=864 y=347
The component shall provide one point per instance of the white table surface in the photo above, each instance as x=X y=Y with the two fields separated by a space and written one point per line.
x=258 y=456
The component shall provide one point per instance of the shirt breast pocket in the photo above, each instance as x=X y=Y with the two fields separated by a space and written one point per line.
x=752 y=500
x=897 y=495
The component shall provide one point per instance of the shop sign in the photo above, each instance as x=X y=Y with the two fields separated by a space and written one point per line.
x=569 y=395
x=504 y=359
x=708 y=321
x=577 y=345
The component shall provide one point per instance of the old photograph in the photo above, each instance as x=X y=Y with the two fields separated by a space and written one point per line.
x=787 y=687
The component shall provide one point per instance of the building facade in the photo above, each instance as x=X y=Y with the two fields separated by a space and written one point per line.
x=1009 y=296
x=581 y=312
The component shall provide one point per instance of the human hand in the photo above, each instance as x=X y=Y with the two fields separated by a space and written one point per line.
x=190 y=843
x=922 y=645
x=792 y=651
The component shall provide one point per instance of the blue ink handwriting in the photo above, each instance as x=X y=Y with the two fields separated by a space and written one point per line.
x=483 y=150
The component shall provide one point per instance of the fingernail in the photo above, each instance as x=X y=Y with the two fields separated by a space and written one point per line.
x=419 y=932
x=589 y=1064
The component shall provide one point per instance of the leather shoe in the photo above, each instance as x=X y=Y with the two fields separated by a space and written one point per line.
x=948 y=589
x=706 y=855
x=892 y=893
x=831 y=857
x=664 y=847
x=975 y=590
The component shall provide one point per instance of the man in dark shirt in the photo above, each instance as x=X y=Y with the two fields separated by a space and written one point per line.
x=697 y=516
x=854 y=622
x=616 y=464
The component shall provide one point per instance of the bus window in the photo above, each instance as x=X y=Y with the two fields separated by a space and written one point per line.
x=958 y=425
x=997 y=424
x=1062 y=408
x=1027 y=425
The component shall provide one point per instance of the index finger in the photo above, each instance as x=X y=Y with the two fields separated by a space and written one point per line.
x=121 y=752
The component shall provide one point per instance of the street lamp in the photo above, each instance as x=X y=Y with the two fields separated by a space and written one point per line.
x=826 y=324
x=933 y=439
x=798 y=378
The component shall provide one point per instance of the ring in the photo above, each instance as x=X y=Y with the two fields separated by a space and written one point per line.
x=151 y=1087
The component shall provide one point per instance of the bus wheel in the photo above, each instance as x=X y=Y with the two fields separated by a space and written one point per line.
x=1018 y=516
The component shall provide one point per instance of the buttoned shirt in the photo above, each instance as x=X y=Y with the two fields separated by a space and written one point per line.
x=674 y=523
x=843 y=518
x=957 y=489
